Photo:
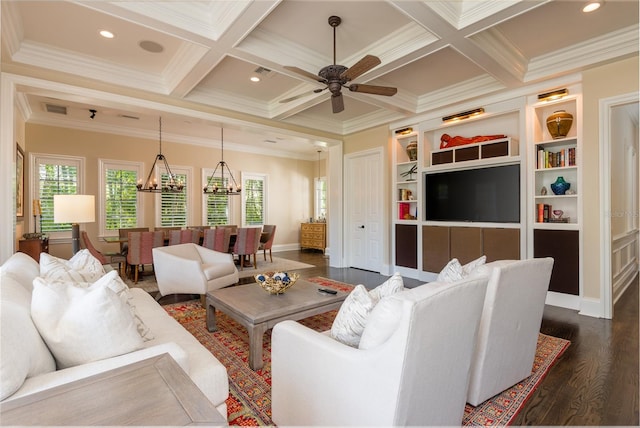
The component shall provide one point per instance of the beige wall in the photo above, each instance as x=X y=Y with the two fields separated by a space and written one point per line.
x=289 y=181
x=602 y=82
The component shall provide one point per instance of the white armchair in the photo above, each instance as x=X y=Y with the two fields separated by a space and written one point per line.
x=417 y=375
x=509 y=326
x=192 y=269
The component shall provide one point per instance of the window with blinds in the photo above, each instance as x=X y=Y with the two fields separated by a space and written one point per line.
x=217 y=206
x=173 y=206
x=55 y=175
x=120 y=198
x=254 y=197
x=321 y=197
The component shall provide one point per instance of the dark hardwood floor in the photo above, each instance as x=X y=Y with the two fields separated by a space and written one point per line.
x=595 y=382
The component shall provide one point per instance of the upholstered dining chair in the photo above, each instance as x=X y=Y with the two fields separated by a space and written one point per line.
x=184 y=236
x=140 y=249
x=232 y=227
x=105 y=258
x=217 y=239
x=247 y=243
x=266 y=240
x=166 y=230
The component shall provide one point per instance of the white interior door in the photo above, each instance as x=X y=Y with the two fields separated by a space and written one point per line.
x=365 y=211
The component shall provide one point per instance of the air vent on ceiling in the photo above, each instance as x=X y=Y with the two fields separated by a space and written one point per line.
x=262 y=71
x=126 y=116
x=53 y=108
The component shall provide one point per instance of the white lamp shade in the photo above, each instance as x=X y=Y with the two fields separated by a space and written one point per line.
x=74 y=209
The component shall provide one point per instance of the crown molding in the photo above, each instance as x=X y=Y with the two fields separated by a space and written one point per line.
x=498 y=47
x=611 y=46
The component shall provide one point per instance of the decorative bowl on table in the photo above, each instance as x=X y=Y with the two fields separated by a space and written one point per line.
x=276 y=282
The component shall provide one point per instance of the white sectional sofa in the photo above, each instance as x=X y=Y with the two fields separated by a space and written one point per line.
x=27 y=366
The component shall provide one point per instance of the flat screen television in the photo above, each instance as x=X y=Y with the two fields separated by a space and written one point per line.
x=480 y=195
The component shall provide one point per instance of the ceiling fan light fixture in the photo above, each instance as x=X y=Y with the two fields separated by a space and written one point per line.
x=151 y=184
x=553 y=95
x=463 y=115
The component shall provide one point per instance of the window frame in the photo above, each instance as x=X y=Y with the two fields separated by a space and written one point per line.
x=205 y=175
x=35 y=160
x=105 y=164
x=254 y=176
x=316 y=197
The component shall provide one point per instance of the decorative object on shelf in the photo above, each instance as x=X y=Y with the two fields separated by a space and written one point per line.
x=559 y=124
x=410 y=173
x=543 y=191
x=276 y=283
x=570 y=192
x=447 y=140
x=412 y=150
x=560 y=187
x=463 y=115
x=232 y=187
x=151 y=185
x=32 y=235
x=557 y=214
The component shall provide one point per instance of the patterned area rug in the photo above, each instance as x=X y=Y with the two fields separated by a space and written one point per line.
x=148 y=281
x=249 y=402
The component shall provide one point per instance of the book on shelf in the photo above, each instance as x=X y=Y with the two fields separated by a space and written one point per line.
x=562 y=158
x=543 y=213
x=403 y=210
x=404 y=194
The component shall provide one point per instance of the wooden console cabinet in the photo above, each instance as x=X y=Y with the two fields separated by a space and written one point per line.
x=313 y=235
x=34 y=247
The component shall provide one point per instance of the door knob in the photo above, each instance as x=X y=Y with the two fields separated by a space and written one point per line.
x=361 y=227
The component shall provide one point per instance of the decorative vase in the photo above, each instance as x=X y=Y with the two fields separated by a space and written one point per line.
x=559 y=124
x=559 y=187
x=412 y=150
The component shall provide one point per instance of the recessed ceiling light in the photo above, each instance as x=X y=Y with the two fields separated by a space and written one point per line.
x=151 y=46
x=254 y=78
x=107 y=34
x=591 y=6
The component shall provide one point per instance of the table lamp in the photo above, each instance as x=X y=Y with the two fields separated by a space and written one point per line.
x=74 y=209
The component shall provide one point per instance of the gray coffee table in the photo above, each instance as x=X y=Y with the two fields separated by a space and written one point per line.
x=259 y=311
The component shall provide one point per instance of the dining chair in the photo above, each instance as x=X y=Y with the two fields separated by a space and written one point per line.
x=105 y=258
x=247 y=243
x=217 y=239
x=140 y=249
x=233 y=227
x=266 y=240
x=166 y=230
x=184 y=236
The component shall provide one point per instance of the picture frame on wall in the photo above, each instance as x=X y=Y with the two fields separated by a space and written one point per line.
x=19 y=181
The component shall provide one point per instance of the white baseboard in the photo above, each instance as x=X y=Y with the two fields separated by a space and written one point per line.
x=562 y=300
x=591 y=307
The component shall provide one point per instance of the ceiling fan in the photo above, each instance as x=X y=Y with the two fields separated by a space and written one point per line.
x=338 y=76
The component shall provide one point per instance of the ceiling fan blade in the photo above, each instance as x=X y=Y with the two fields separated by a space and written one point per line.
x=337 y=103
x=305 y=73
x=373 y=89
x=360 y=67
x=295 y=97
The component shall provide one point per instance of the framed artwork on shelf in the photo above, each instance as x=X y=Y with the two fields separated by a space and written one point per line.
x=19 y=181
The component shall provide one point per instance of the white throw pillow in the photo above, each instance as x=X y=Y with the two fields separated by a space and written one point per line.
x=113 y=281
x=352 y=316
x=391 y=286
x=382 y=322
x=473 y=265
x=80 y=325
x=82 y=267
x=452 y=272
x=23 y=353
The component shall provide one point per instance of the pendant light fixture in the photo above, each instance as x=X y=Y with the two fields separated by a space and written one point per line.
x=151 y=185
x=232 y=188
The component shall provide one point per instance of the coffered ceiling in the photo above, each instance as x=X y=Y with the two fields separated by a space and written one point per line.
x=202 y=54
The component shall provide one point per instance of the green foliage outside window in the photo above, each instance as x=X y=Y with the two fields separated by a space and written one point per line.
x=173 y=211
x=217 y=205
x=55 y=180
x=254 y=202
x=121 y=199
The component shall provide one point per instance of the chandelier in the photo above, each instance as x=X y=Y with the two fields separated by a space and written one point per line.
x=151 y=185
x=232 y=188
